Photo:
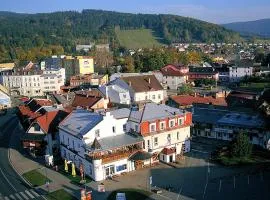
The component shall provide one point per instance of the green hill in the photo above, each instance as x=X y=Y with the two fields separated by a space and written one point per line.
x=137 y=38
x=61 y=31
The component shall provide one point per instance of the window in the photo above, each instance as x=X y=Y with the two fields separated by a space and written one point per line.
x=177 y=135
x=180 y=121
x=156 y=141
x=124 y=96
x=148 y=143
x=159 y=96
x=153 y=96
x=171 y=123
x=68 y=141
x=124 y=127
x=162 y=125
x=113 y=129
x=121 y=167
x=169 y=138
x=36 y=127
x=152 y=127
x=97 y=133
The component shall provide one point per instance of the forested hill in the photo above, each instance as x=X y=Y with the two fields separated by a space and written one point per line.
x=66 y=29
x=259 y=27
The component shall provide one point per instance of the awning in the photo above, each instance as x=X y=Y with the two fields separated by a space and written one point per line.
x=140 y=155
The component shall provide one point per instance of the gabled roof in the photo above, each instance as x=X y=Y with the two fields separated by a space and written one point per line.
x=143 y=83
x=202 y=70
x=172 y=70
x=85 y=100
x=80 y=121
x=186 y=100
x=50 y=120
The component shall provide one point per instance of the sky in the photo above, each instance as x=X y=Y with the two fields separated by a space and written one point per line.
x=215 y=11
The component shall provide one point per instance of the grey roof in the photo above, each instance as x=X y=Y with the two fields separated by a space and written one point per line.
x=152 y=111
x=48 y=75
x=207 y=115
x=117 y=141
x=80 y=121
x=120 y=113
x=242 y=120
x=141 y=155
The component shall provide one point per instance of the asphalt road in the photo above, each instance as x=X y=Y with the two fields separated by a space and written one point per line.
x=11 y=184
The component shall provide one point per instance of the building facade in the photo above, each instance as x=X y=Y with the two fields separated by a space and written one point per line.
x=238 y=73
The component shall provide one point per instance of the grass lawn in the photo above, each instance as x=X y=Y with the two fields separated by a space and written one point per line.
x=35 y=178
x=60 y=195
x=227 y=160
x=255 y=86
x=131 y=194
x=137 y=38
x=75 y=180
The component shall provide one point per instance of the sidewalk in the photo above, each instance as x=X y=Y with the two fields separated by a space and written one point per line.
x=22 y=164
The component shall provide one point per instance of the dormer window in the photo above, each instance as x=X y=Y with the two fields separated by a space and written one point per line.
x=153 y=127
x=172 y=123
x=180 y=121
x=97 y=133
x=162 y=125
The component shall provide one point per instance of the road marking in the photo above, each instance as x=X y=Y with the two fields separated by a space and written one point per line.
x=7 y=180
x=34 y=192
x=18 y=196
x=179 y=193
x=24 y=196
x=200 y=151
x=234 y=182
x=29 y=194
x=220 y=183
x=205 y=187
x=248 y=180
x=12 y=197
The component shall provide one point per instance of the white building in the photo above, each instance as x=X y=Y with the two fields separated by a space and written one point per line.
x=237 y=73
x=98 y=142
x=34 y=83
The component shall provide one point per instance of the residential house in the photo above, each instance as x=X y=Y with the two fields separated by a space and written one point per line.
x=237 y=73
x=42 y=137
x=88 y=80
x=165 y=131
x=98 y=143
x=174 y=76
x=202 y=73
x=6 y=66
x=116 y=93
x=90 y=100
x=222 y=124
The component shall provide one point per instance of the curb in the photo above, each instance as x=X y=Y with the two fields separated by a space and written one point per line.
x=19 y=174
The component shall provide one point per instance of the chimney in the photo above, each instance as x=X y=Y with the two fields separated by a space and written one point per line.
x=129 y=83
x=149 y=80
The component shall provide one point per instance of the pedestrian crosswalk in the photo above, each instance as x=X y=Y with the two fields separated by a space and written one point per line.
x=25 y=195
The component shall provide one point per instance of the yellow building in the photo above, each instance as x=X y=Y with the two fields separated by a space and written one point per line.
x=6 y=66
x=84 y=65
x=79 y=65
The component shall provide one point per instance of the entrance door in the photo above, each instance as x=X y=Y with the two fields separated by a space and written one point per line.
x=171 y=158
x=109 y=170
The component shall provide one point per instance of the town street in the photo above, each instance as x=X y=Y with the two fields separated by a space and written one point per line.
x=11 y=184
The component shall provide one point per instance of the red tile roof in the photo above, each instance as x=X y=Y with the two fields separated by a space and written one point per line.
x=44 y=102
x=50 y=120
x=168 y=151
x=186 y=100
x=85 y=101
x=25 y=111
x=172 y=70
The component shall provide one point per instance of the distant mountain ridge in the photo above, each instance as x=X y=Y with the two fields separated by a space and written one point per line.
x=258 y=27
x=68 y=28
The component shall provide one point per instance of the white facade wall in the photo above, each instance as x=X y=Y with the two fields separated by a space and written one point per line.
x=155 y=96
x=72 y=147
x=237 y=73
x=174 y=82
x=163 y=141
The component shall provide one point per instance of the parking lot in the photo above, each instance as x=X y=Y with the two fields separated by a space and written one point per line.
x=196 y=178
